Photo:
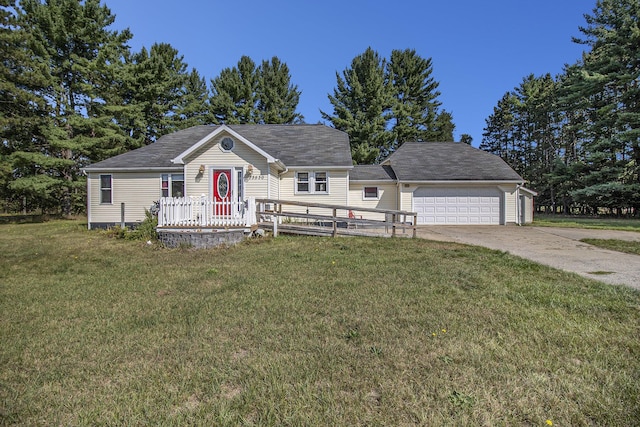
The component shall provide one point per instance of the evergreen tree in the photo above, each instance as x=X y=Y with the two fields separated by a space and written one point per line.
x=23 y=113
x=498 y=136
x=577 y=138
x=158 y=79
x=234 y=97
x=414 y=109
x=465 y=138
x=443 y=128
x=361 y=104
x=277 y=97
x=383 y=104
x=70 y=36
x=611 y=81
x=194 y=103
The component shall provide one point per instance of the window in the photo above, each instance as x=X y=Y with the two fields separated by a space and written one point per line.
x=105 y=189
x=226 y=144
x=321 y=182
x=172 y=185
x=370 y=193
x=312 y=182
x=302 y=182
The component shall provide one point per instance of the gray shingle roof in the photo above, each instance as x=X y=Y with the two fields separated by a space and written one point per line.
x=294 y=145
x=372 y=173
x=300 y=145
x=448 y=161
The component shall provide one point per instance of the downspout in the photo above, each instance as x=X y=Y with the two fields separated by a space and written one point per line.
x=518 y=216
x=286 y=169
x=88 y=201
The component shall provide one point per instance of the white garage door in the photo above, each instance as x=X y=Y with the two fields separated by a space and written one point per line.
x=436 y=205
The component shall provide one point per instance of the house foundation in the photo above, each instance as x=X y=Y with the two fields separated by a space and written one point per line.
x=200 y=239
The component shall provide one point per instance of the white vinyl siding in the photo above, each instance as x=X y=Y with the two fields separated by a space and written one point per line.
x=387 y=199
x=510 y=206
x=337 y=184
x=212 y=156
x=137 y=190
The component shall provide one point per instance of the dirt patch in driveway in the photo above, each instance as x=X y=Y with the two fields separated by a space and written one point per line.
x=556 y=247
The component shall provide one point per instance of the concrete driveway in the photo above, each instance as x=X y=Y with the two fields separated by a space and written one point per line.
x=556 y=247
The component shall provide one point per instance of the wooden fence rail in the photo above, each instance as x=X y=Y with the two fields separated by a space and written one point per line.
x=318 y=218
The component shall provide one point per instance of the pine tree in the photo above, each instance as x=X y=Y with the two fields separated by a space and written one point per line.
x=23 y=113
x=611 y=81
x=234 y=94
x=414 y=109
x=277 y=97
x=361 y=104
x=193 y=108
x=158 y=79
x=70 y=37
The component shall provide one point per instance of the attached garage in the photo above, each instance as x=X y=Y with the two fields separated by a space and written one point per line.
x=458 y=206
x=448 y=183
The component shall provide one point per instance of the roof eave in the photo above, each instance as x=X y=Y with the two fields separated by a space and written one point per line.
x=373 y=181
x=459 y=181
x=133 y=169
x=320 y=167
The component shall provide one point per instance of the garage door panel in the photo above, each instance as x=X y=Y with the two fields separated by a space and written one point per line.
x=440 y=205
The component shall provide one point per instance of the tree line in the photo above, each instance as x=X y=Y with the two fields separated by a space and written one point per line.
x=576 y=136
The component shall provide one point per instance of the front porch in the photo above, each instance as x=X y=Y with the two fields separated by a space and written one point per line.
x=204 y=213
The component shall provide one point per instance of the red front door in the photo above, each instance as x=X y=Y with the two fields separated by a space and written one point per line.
x=222 y=191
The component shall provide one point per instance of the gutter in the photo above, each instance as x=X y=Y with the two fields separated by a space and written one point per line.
x=152 y=169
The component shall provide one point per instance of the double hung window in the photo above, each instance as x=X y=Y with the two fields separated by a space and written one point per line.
x=106 y=189
x=312 y=182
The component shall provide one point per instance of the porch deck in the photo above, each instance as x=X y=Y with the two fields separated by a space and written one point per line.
x=202 y=213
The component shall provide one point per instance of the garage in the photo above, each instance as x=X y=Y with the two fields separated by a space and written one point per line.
x=456 y=206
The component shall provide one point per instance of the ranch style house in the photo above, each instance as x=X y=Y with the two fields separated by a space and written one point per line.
x=223 y=166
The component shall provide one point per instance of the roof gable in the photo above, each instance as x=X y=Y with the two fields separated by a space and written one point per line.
x=180 y=158
x=448 y=161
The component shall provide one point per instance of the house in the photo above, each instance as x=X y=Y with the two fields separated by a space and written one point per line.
x=446 y=183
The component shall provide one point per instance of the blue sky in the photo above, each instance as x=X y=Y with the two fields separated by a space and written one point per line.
x=480 y=49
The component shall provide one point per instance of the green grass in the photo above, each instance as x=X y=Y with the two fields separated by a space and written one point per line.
x=305 y=331
x=604 y=223
x=626 y=246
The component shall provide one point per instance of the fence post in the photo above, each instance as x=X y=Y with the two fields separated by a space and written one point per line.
x=393 y=225
x=415 y=225
x=335 y=223
x=122 y=215
x=275 y=226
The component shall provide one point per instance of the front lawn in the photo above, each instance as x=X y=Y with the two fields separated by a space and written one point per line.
x=605 y=223
x=626 y=246
x=305 y=331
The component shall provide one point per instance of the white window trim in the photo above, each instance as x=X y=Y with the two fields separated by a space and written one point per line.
x=364 y=194
x=311 y=182
x=110 y=202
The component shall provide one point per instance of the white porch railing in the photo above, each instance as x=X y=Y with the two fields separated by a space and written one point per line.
x=204 y=212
